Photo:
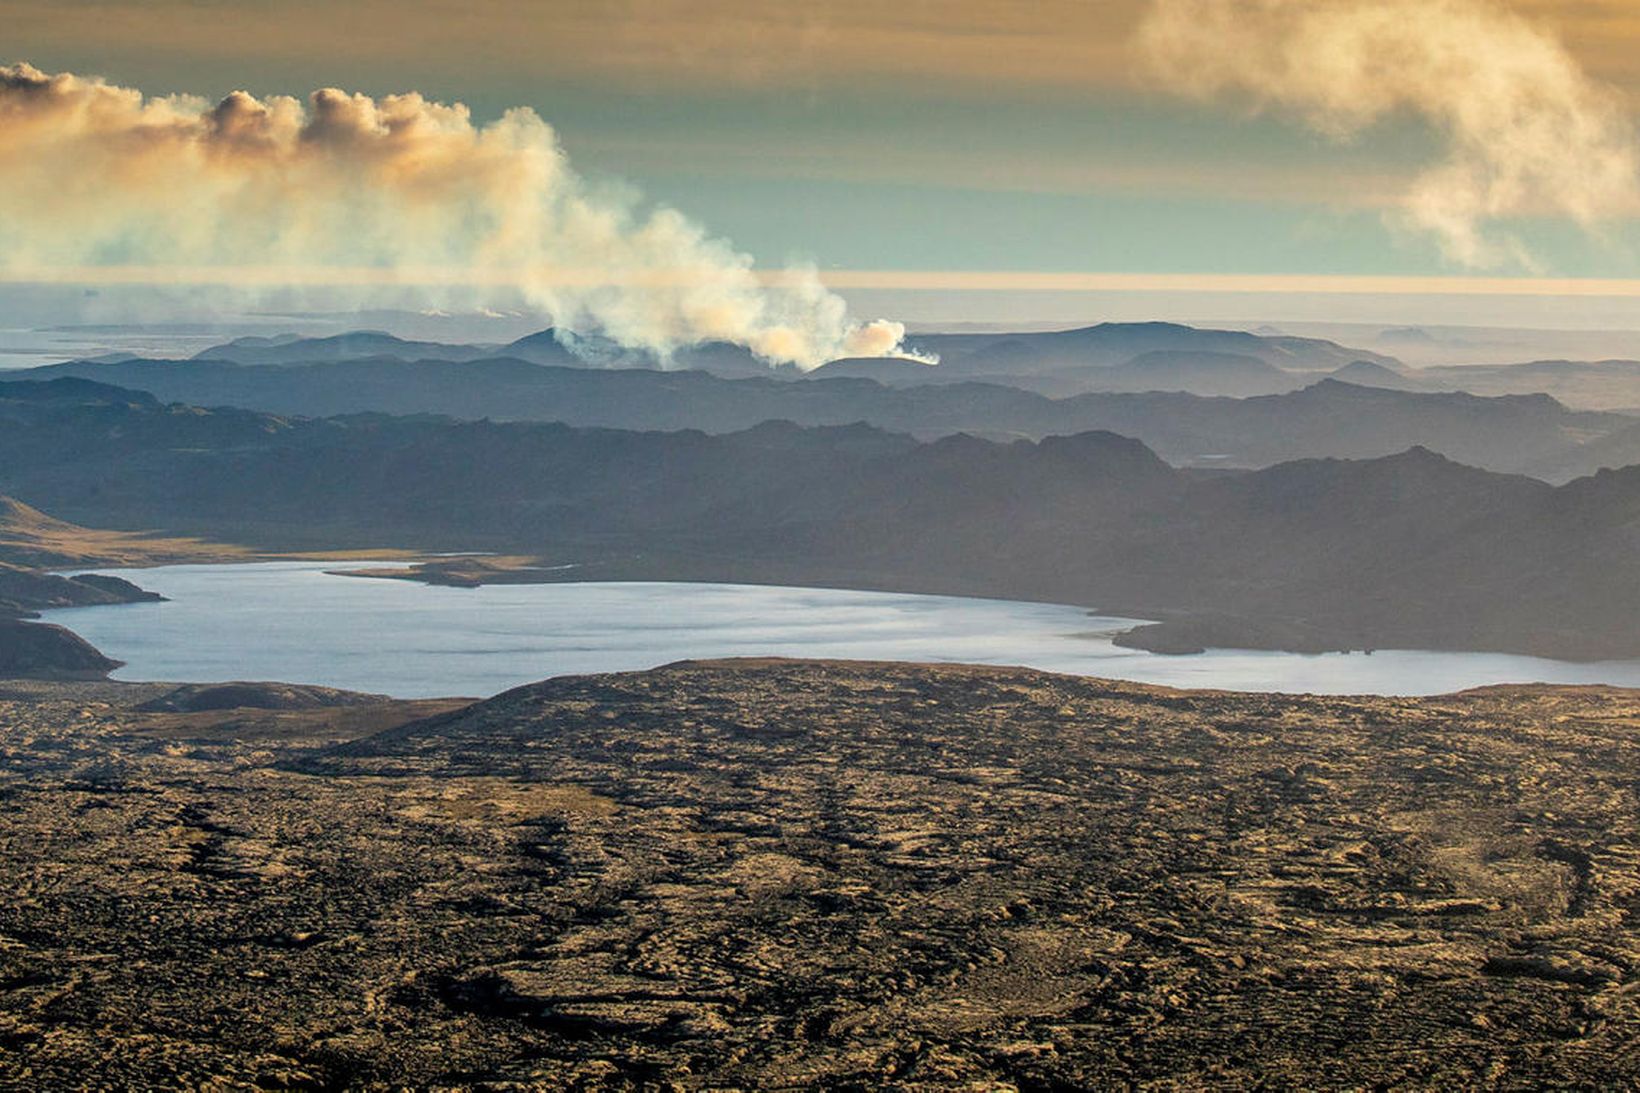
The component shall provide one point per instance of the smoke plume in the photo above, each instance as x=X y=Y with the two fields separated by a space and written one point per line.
x=393 y=189
x=1526 y=130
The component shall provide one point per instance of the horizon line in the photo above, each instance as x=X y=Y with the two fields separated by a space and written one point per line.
x=880 y=279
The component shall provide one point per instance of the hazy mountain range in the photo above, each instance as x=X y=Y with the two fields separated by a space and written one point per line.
x=548 y=347
x=1106 y=357
x=1411 y=550
x=1607 y=384
x=1527 y=434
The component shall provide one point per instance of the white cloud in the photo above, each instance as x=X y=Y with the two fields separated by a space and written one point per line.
x=98 y=175
x=1526 y=130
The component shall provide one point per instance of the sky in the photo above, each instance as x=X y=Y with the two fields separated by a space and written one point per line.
x=958 y=137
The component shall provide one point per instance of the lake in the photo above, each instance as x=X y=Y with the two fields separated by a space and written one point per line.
x=292 y=621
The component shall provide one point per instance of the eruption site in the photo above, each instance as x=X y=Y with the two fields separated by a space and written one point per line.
x=101 y=181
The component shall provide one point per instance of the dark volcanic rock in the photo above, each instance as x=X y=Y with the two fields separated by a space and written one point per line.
x=801 y=875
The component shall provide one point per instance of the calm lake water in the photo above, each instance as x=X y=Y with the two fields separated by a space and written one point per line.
x=292 y=621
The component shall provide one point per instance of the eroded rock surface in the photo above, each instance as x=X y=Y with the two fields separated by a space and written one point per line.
x=786 y=874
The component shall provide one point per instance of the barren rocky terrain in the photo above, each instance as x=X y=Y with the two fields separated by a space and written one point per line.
x=793 y=874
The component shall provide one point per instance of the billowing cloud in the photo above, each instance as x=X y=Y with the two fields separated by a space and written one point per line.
x=102 y=176
x=1526 y=130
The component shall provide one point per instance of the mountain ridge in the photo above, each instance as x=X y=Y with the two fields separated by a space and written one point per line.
x=1328 y=417
x=1412 y=551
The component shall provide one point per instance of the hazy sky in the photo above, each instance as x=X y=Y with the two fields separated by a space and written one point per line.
x=932 y=135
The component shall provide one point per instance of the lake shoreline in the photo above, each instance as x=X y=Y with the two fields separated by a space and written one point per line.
x=1158 y=629
x=302 y=621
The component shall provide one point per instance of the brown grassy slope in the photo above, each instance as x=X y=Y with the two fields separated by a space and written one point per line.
x=31 y=538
